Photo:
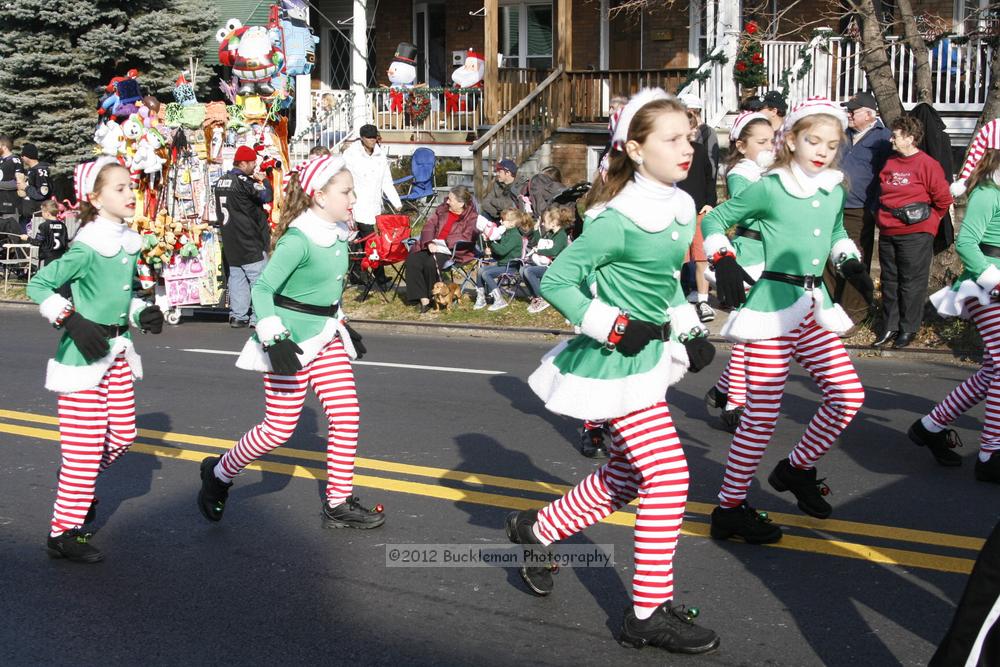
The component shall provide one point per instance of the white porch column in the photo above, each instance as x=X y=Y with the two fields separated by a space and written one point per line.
x=728 y=27
x=303 y=95
x=359 y=61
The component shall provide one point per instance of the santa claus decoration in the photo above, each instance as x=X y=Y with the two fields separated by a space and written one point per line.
x=469 y=75
x=250 y=51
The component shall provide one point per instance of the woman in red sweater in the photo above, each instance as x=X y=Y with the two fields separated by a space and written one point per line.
x=913 y=197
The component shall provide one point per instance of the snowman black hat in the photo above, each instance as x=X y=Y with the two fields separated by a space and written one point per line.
x=406 y=53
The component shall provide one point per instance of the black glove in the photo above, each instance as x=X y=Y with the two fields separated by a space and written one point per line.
x=729 y=279
x=637 y=335
x=89 y=338
x=855 y=273
x=151 y=319
x=283 y=357
x=359 y=347
x=700 y=353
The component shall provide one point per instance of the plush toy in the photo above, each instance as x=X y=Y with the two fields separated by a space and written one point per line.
x=111 y=139
x=121 y=95
x=298 y=42
x=149 y=109
x=402 y=74
x=252 y=55
x=469 y=75
x=184 y=91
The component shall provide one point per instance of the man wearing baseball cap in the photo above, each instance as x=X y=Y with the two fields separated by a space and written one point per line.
x=504 y=193
x=863 y=160
x=240 y=196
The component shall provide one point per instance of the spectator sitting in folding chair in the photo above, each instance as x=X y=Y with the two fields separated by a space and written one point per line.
x=447 y=237
x=506 y=245
x=421 y=179
x=546 y=243
x=369 y=165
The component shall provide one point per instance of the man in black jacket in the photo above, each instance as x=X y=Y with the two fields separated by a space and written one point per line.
x=246 y=235
x=11 y=179
x=37 y=188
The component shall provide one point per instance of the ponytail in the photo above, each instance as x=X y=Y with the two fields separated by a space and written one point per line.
x=296 y=203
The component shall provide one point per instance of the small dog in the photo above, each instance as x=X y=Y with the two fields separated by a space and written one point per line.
x=444 y=294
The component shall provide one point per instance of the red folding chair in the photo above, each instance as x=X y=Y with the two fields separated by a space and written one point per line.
x=386 y=247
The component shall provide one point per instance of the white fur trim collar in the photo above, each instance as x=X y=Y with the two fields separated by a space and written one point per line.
x=107 y=237
x=319 y=231
x=748 y=169
x=800 y=184
x=653 y=206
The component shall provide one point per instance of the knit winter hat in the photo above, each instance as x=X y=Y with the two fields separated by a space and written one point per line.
x=744 y=119
x=811 y=107
x=638 y=101
x=315 y=173
x=245 y=154
x=85 y=175
x=988 y=138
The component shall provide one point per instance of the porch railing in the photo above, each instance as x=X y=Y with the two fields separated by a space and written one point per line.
x=514 y=84
x=332 y=121
x=524 y=128
x=591 y=91
x=713 y=82
x=419 y=110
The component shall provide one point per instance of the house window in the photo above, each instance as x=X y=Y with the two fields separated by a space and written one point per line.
x=526 y=34
x=976 y=17
x=765 y=14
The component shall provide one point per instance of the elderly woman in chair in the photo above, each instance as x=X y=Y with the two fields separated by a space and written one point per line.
x=449 y=231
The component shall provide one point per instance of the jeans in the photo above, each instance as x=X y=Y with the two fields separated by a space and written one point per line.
x=488 y=275
x=241 y=281
x=533 y=278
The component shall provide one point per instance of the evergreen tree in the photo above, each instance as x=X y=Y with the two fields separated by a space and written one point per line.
x=57 y=55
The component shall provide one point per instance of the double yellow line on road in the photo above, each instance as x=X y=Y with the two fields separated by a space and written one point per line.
x=156 y=443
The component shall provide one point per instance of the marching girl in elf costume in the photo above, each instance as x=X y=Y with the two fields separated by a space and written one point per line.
x=95 y=363
x=976 y=296
x=752 y=153
x=639 y=336
x=788 y=314
x=302 y=340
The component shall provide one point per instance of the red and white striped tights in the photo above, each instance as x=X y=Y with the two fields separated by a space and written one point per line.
x=821 y=353
x=332 y=378
x=96 y=427
x=984 y=383
x=733 y=381
x=646 y=460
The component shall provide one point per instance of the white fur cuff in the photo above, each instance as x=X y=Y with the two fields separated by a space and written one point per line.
x=268 y=328
x=715 y=243
x=136 y=307
x=988 y=279
x=844 y=247
x=53 y=307
x=598 y=320
x=684 y=320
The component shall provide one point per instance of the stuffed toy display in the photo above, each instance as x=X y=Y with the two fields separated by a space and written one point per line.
x=250 y=51
x=298 y=41
x=468 y=76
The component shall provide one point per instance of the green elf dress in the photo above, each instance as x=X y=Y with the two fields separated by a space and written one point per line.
x=749 y=250
x=629 y=256
x=982 y=272
x=308 y=265
x=100 y=266
x=801 y=222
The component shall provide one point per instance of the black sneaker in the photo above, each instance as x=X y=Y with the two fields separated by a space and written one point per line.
x=989 y=471
x=715 y=399
x=538 y=579
x=731 y=419
x=213 y=494
x=239 y=324
x=91 y=512
x=352 y=514
x=74 y=546
x=592 y=443
x=808 y=490
x=746 y=522
x=671 y=628
x=941 y=444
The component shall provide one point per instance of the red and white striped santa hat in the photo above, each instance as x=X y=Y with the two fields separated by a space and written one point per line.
x=988 y=138
x=744 y=119
x=315 y=173
x=85 y=175
x=813 y=106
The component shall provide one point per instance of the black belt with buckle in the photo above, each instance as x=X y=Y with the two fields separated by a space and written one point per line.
x=112 y=330
x=751 y=234
x=991 y=250
x=308 y=308
x=809 y=282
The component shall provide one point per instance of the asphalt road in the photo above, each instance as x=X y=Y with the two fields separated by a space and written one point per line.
x=874 y=585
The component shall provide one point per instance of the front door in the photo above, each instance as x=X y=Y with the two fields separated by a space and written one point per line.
x=428 y=36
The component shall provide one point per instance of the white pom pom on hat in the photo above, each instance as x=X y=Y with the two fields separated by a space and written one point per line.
x=638 y=101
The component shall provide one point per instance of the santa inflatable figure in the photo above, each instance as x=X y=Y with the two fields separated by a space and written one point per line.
x=252 y=55
x=469 y=75
x=402 y=74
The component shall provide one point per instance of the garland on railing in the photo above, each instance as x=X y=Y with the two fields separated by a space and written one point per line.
x=705 y=69
x=805 y=58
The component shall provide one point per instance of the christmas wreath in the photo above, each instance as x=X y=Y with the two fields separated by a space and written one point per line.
x=749 y=70
x=418 y=105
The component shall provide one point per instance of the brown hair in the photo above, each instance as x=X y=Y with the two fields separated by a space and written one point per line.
x=784 y=155
x=87 y=210
x=564 y=215
x=295 y=203
x=463 y=194
x=621 y=170
x=909 y=126
x=983 y=173
x=734 y=153
x=523 y=221
x=6 y=142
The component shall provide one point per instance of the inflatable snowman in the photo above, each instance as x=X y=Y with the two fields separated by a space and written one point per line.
x=402 y=74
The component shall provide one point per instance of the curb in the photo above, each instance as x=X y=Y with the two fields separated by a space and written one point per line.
x=858 y=351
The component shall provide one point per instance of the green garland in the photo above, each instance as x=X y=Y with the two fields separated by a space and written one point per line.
x=806 y=58
x=717 y=56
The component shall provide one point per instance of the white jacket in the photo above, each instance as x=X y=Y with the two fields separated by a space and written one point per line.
x=372 y=180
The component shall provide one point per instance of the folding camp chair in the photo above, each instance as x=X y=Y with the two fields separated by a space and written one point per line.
x=19 y=259
x=421 y=197
x=387 y=247
x=466 y=271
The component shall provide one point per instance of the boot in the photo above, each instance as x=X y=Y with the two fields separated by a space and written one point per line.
x=671 y=628
x=351 y=514
x=746 y=522
x=731 y=419
x=940 y=444
x=480 y=299
x=499 y=303
x=73 y=545
x=989 y=471
x=592 y=443
x=808 y=490
x=213 y=493
x=518 y=525
x=716 y=399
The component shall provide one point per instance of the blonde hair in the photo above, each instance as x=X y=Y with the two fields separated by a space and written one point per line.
x=50 y=206
x=296 y=202
x=621 y=170
x=523 y=221
x=88 y=212
x=565 y=216
x=784 y=155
